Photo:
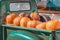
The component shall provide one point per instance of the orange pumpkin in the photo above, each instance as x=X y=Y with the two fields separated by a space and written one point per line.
x=58 y=26
x=10 y=18
x=34 y=16
x=21 y=14
x=16 y=21
x=13 y=15
x=32 y=24
x=38 y=22
x=24 y=21
x=41 y=26
x=51 y=25
x=27 y=15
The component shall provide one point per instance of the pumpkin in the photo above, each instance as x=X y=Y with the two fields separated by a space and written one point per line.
x=10 y=18
x=38 y=22
x=32 y=24
x=22 y=14
x=34 y=16
x=13 y=15
x=41 y=26
x=51 y=25
x=16 y=21
x=58 y=26
x=28 y=15
x=23 y=22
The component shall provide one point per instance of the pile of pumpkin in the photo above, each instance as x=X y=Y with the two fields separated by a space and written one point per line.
x=31 y=20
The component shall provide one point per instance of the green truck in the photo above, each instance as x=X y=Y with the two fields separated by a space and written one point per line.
x=8 y=32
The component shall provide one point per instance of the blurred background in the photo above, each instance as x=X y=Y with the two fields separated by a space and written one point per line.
x=49 y=7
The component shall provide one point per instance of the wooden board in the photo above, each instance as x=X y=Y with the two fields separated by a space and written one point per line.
x=48 y=11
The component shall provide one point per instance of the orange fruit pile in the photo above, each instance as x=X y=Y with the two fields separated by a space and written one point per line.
x=31 y=20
